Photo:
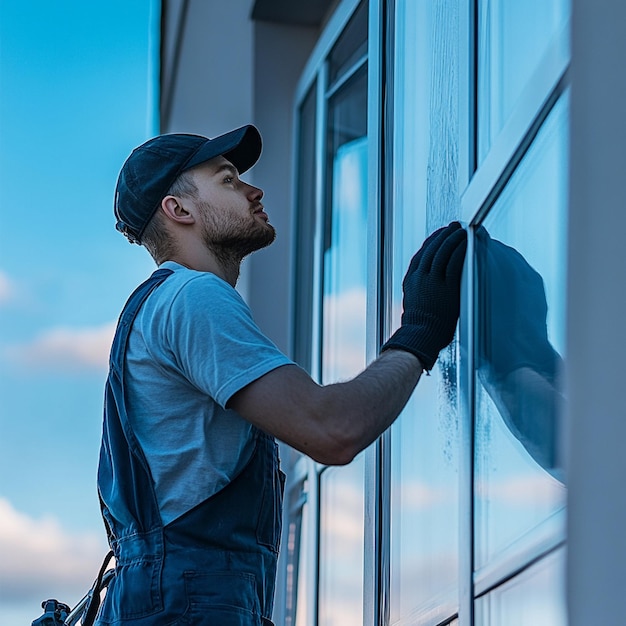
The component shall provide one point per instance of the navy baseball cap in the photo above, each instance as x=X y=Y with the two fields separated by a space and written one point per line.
x=152 y=168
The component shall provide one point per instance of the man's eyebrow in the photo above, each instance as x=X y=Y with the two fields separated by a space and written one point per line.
x=226 y=167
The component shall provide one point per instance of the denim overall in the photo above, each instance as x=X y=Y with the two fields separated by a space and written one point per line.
x=214 y=565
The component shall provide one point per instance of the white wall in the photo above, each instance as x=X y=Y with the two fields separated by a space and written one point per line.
x=232 y=72
x=597 y=313
x=280 y=53
x=209 y=92
x=214 y=76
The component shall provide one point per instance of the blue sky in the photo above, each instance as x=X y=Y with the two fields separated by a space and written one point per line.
x=77 y=93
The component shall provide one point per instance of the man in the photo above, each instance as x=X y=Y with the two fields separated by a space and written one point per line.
x=189 y=475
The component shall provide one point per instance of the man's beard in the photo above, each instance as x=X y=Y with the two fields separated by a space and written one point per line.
x=233 y=240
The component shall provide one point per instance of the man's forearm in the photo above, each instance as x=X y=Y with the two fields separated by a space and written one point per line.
x=368 y=404
x=331 y=423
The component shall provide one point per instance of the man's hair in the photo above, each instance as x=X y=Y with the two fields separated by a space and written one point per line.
x=156 y=239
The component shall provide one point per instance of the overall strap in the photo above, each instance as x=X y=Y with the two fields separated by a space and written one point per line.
x=124 y=480
x=129 y=312
x=127 y=499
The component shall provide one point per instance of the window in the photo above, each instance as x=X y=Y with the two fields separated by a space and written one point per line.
x=519 y=494
x=343 y=330
x=331 y=313
x=305 y=229
x=341 y=545
x=469 y=122
x=345 y=262
x=424 y=473
x=535 y=596
x=513 y=39
x=516 y=203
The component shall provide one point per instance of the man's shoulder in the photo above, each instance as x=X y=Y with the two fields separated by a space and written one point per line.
x=188 y=280
x=194 y=295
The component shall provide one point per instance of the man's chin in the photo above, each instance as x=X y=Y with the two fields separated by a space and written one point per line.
x=268 y=240
x=261 y=239
x=240 y=245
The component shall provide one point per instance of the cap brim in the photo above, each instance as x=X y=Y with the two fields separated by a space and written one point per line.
x=242 y=147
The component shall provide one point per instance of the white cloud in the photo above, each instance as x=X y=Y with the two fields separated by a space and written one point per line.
x=41 y=560
x=71 y=349
x=344 y=324
x=524 y=491
x=415 y=496
x=7 y=288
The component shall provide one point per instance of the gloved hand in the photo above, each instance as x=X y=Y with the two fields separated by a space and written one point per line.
x=431 y=299
x=512 y=302
x=516 y=363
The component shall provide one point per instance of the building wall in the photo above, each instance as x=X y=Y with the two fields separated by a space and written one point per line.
x=208 y=88
x=280 y=53
x=221 y=70
x=207 y=70
x=597 y=310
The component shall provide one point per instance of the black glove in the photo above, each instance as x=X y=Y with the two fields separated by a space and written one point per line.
x=517 y=365
x=431 y=302
x=513 y=310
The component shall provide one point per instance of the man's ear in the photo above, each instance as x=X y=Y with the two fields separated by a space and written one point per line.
x=174 y=210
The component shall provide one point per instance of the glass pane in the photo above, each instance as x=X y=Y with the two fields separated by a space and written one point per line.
x=305 y=227
x=424 y=440
x=341 y=545
x=536 y=597
x=351 y=45
x=343 y=347
x=299 y=598
x=520 y=341
x=512 y=39
x=345 y=257
x=424 y=514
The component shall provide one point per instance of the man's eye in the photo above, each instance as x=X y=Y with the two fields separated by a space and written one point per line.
x=228 y=179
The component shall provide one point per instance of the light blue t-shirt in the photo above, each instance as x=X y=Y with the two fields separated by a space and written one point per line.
x=193 y=345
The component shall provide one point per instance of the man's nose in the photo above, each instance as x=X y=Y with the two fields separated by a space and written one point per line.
x=255 y=193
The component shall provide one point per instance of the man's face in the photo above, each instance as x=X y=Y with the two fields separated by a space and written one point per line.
x=233 y=219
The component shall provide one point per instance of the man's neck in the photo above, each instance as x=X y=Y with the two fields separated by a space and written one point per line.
x=226 y=268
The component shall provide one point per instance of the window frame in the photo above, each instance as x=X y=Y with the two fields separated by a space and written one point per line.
x=316 y=76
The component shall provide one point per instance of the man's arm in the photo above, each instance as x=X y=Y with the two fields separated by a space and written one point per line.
x=331 y=423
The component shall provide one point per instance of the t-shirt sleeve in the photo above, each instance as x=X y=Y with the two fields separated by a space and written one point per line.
x=216 y=343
